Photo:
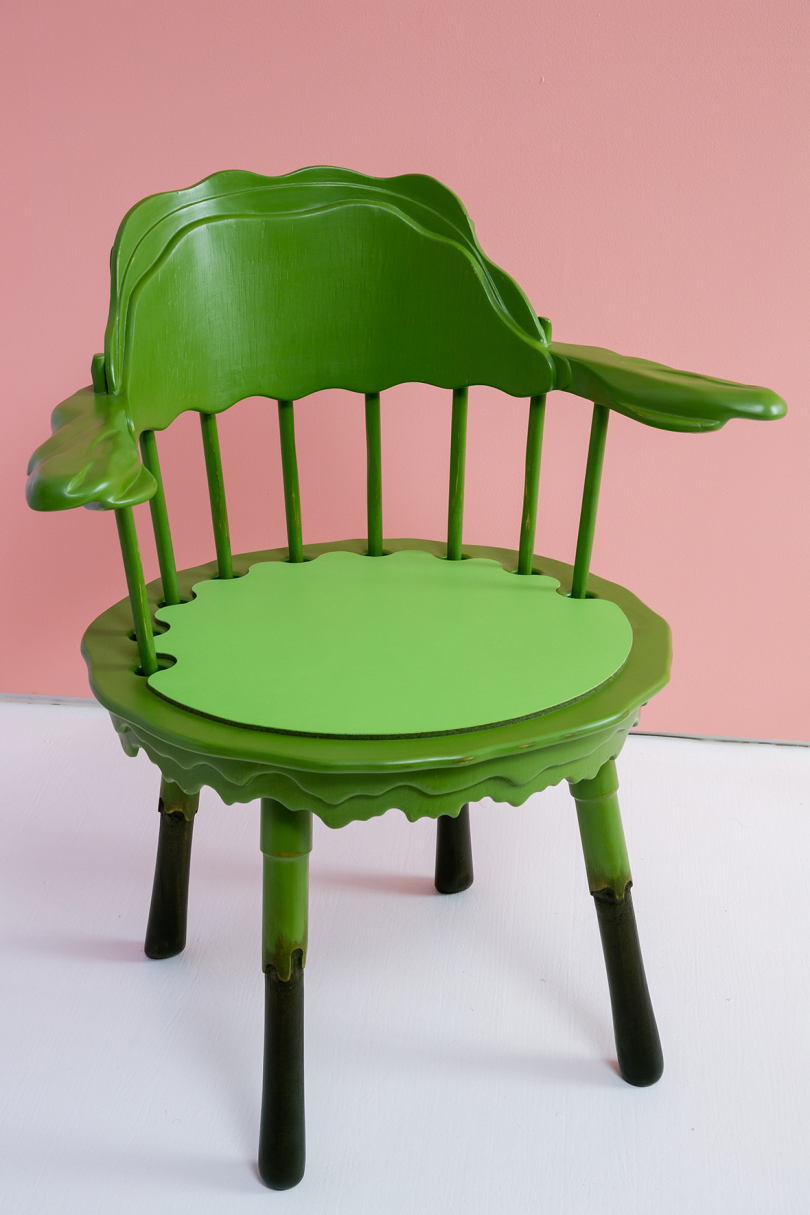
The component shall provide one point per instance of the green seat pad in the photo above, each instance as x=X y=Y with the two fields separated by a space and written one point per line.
x=348 y=645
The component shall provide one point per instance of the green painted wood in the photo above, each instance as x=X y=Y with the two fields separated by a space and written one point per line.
x=286 y=842
x=91 y=458
x=531 y=482
x=590 y=500
x=343 y=646
x=600 y=827
x=139 y=604
x=98 y=374
x=327 y=263
x=657 y=395
x=160 y=519
x=356 y=779
x=289 y=467
x=321 y=267
x=216 y=494
x=458 y=459
x=374 y=475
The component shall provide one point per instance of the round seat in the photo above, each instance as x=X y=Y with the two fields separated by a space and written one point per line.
x=349 y=778
x=407 y=644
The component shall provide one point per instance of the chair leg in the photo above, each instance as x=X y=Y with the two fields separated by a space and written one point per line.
x=637 y=1043
x=286 y=841
x=454 y=865
x=168 y=912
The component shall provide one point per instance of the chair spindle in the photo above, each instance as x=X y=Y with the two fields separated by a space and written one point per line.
x=458 y=459
x=289 y=467
x=590 y=501
x=374 y=475
x=216 y=494
x=160 y=520
x=531 y=482
x=137 y=589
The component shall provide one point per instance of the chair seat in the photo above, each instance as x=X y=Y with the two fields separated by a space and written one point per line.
x=407 y=644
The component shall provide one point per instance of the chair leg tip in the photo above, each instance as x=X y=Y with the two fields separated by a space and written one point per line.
x=158 y=951
x=644 y=1076
x=455 y=886
x=279 y=1179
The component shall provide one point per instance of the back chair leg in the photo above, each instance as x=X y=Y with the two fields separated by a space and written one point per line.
x=286 y=841
x=637 y=1043
x=168 y=912
x=454 y=866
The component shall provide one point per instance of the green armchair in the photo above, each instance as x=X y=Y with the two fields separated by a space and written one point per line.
x=346 y=679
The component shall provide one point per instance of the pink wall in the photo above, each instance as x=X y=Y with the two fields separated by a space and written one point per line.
x=640 y=168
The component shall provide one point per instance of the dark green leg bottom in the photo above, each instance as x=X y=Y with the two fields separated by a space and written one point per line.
x=282 y=1140
x=454 y=866
x=168 y=912
x=637 y=1043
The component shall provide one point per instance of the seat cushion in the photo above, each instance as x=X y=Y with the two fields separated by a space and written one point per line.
x=371 y=647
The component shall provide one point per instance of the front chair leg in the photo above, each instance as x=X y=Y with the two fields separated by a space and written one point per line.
x=454 y=866
x=637 y=1043
x=168 y=912
x=286 y=841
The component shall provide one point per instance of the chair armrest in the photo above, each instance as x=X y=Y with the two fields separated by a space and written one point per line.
x=658 y=395
x=91 y=459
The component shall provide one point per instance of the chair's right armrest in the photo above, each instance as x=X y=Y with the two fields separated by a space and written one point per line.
x=91 y=459
x=657 y=395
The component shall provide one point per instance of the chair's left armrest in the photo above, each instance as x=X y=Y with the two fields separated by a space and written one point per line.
x=91 y=459
x=658 y=395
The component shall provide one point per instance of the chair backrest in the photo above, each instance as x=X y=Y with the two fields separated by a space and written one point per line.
x=258 y=286
x=245 y=285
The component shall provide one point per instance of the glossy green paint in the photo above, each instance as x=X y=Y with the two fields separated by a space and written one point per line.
x=458 y=459
x=531 y=482
x=245 y=285
x=409 y=644
x=374 y=475
x=600 y=826
x=355 y=779
x=657 y=395
x=590 y=501
x=216 y=494
x=91 y=458
x=160 y=519
x=142 y=619
x=286 y=841
x=289 y=468
x=280 y=287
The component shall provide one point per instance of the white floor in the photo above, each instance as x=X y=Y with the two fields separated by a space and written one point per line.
x=459 y=1053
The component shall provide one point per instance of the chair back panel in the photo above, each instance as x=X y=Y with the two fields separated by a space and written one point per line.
x=297 y=284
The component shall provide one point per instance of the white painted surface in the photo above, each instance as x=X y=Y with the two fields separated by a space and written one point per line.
x=458 y=1048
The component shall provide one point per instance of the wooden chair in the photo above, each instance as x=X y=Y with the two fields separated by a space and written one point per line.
x=345 y=679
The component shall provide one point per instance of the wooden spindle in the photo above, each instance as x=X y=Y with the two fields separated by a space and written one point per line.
x=531 y=482
x=458 y=459
x=160 y=520
x=289 y=467
x=216 y=494
x=374 y=475
x=590 y=501
x=137 y=589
